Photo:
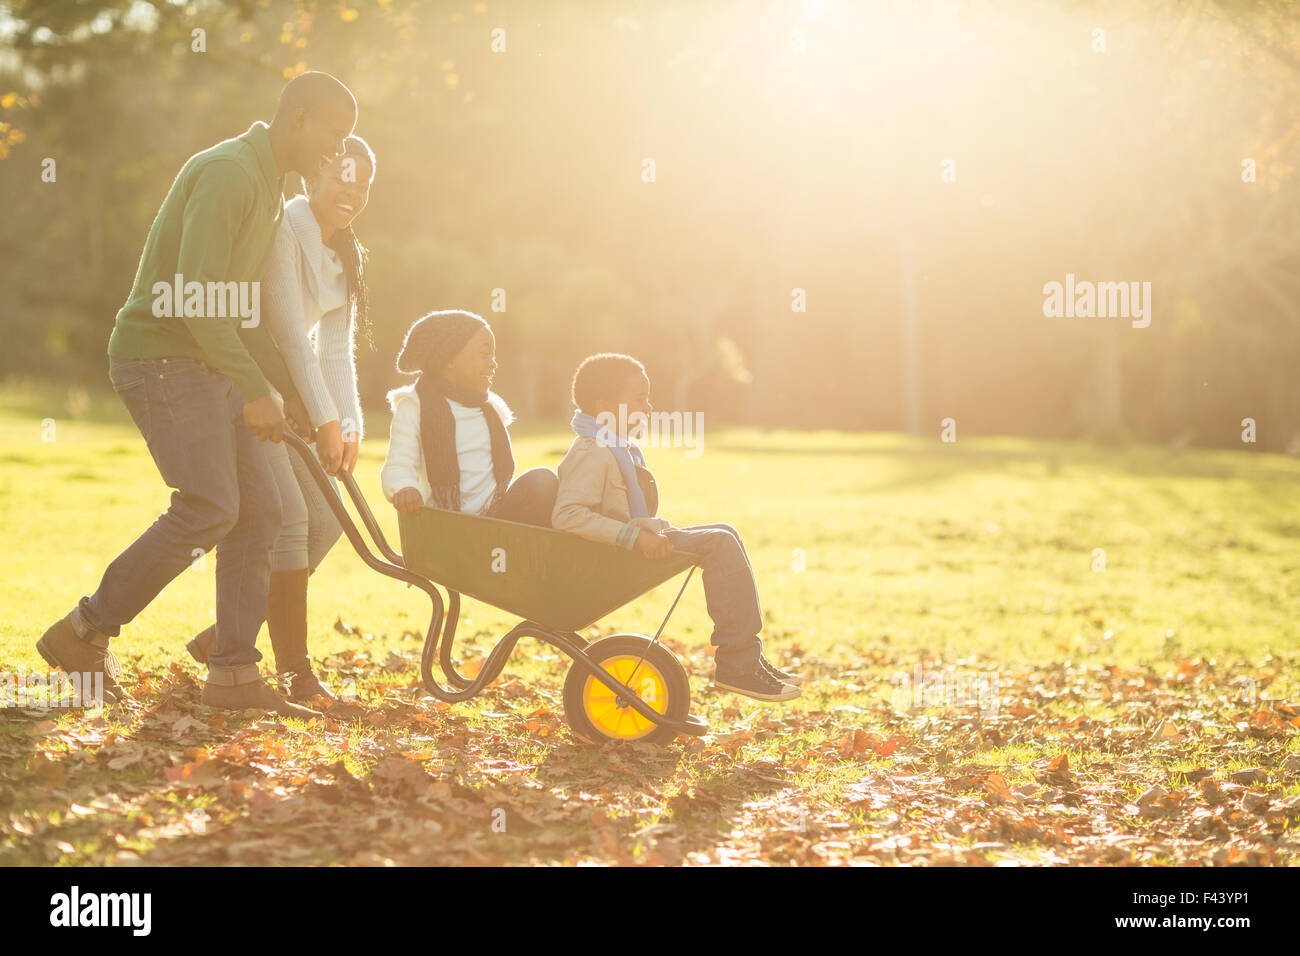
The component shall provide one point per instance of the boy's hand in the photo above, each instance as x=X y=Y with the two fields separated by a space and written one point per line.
x=653 y=544
x=329 y=446
x=350 y=450
x=408 y=501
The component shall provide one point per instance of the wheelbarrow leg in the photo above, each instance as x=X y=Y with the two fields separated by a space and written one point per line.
x=448 y=638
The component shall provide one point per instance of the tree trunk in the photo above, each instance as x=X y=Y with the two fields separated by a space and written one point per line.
x=913 y=397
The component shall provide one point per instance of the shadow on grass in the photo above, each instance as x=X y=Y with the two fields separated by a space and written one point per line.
x=694 y=819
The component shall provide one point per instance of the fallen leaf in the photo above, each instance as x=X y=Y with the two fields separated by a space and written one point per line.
x=197 y=773
x=1150 y=796
x=47 y=770
x=995 y=785
x=1248 y=778
x=1167 y=730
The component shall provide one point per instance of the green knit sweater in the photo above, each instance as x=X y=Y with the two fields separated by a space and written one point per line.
x=217 y=225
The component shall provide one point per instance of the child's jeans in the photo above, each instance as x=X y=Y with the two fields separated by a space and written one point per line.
x=729 y=591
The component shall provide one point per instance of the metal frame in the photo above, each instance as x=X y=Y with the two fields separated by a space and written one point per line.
x=441 y=632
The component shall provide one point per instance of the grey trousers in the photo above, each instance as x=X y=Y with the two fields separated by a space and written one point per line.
x=191 y=417
x=308 y=529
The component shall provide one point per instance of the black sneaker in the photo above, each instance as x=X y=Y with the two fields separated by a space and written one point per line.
x=779 y=674
x=754 y=681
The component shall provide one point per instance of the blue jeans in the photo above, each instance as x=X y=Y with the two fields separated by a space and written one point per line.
x=225 y=497
x=729 y=591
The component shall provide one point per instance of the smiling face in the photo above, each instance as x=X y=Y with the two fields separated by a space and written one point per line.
x=319 y=135
x=635 y=397
x=635 y=394
x=341 y=191
x=475 y=366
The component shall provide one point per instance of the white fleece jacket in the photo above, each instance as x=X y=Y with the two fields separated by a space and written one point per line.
x=404 y=466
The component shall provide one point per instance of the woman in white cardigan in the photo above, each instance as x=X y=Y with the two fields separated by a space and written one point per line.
x=313 y=296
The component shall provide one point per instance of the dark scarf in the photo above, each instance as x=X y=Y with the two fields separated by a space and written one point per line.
x=438 y=440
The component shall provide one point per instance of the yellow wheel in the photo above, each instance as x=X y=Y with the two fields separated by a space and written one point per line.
x=598 y=714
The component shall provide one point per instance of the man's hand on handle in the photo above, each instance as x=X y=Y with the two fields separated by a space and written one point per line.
x=264 y=417
x=296 y=411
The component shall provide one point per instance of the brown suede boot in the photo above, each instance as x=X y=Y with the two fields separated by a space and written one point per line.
x=63 y=647
x=242 y=688
x=286 y=622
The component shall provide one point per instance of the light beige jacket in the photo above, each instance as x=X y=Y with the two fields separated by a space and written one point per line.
x=592 y=501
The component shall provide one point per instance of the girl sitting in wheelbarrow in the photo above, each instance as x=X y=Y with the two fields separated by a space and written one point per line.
x=449 y=446
x=602 y=497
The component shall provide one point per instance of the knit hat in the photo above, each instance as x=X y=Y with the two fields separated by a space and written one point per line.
x=436 y=339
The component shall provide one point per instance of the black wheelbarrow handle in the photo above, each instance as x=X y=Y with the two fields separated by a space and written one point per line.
x=394 y=567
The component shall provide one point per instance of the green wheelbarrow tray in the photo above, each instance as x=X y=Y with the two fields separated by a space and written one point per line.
x=556 y=579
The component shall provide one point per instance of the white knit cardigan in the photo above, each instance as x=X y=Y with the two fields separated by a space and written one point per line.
x=305 y=291
x=404 y=466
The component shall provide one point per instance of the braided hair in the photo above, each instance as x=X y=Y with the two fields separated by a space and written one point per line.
x=353 y=254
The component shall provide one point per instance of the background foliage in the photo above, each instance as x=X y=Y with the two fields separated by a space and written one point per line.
x=776 y=169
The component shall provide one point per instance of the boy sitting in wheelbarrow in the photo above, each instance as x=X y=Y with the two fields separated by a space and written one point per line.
x=604 y=487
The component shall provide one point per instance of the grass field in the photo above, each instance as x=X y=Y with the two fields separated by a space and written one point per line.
x=1132 y=611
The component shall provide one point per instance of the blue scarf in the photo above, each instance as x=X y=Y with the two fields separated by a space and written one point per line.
x=625 y=452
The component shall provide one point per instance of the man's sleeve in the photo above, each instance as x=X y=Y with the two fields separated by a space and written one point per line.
x=261 y=344
x=282 y=310
x=221 y=198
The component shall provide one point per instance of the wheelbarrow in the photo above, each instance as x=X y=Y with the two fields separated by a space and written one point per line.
x=620 y=687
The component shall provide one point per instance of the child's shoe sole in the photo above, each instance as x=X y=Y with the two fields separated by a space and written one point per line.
x=789 y=692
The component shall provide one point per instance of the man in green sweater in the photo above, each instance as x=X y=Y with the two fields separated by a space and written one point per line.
x=198 y=372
